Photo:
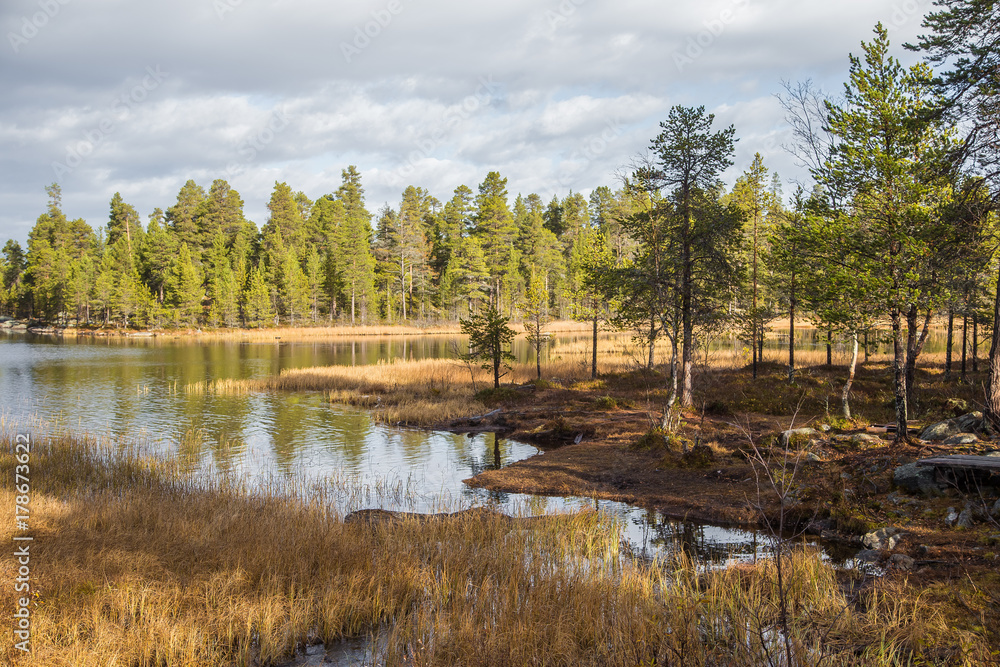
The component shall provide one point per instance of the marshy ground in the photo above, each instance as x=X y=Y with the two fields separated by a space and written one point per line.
x=138 y=564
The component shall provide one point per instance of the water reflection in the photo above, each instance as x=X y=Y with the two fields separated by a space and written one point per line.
x=134 y=388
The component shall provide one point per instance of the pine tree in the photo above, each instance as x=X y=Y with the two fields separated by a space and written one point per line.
x=257 y=300
x=181 y=217
x=877 y=165
x=354 y=246
x=495 y=229
x=183 y=290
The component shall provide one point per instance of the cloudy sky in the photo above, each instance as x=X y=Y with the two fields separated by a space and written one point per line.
x=130 y=96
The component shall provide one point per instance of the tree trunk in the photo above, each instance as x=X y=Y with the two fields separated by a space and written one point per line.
x=829 y=348
x=791 y=335
x=899 y=376
x=975 y=342
x=965 y=343
x=949 y=343
x=652 y=341
x=593 y=359
x=914 y=346
x=845 y=399
x=992 y=411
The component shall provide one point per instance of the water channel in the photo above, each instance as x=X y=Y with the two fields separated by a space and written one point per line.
x=134 y=389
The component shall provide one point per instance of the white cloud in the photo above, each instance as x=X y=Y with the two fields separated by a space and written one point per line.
x=574 y=89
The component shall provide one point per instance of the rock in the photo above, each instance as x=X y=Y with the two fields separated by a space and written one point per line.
x=965 y=519
x=970 y=422
x=923 y=550
x=951 y=517
x=825 y=428
x=940 y=431
x=882 y=539
x=995 y=510
x=868 y=556
x=961 y=439
x=865 y=439
x=797 y=433
x=901 y=561
x=916 y=479
x=812 y=458
x=994 y=453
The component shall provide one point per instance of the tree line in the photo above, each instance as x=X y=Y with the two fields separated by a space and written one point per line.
x=897 y=226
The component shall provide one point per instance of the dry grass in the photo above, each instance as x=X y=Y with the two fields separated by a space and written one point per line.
x=135 y=564
x=311 y=332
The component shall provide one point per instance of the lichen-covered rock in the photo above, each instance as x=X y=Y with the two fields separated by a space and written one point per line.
x=960 y=439
x=866 y=439
x=916 y=479
x=798 y=434
x=965 y=519
x=882 y=539
x=951 y=516
x=972 y=421
x=940 y=431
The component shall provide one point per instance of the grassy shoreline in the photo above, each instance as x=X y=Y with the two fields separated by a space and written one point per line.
x=133 y=563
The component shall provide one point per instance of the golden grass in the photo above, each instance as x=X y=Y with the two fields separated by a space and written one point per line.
x=134 y=563
x=310 y=332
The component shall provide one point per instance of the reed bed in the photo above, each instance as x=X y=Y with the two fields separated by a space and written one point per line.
x=136 y=563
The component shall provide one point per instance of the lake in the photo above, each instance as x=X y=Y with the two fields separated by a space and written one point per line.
x=133 y=388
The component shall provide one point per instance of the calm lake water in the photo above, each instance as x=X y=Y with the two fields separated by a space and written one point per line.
x=133 y=388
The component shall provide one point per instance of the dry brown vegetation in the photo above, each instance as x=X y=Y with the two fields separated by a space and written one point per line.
x=135 y=564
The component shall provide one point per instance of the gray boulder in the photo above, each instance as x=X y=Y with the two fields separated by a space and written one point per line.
x=882 y=539
x=995 y=511
x=960 y=439
x=916 y=479
x=970 y=422
x=865 y=439
x=940 y=431
x=951 y=517
x=868 y=556
x=798 y=434
x=901 y=561
x=965 y=519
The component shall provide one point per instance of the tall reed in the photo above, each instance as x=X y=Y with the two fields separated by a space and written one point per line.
x=137 y=563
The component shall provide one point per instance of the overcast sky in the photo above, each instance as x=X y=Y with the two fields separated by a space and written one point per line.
x=106 y=96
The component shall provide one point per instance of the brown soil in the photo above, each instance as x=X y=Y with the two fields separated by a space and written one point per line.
x=706 y=472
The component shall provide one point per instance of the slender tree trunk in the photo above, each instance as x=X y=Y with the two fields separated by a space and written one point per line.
x=760 y=345
x=899 y=375
x=753 y=349
x=845 y=399
x=593 y=359
x=791 y=336
x=975 y=342
x=914 y=346
x=866 y=346
x=687 y=323
x=829 y=348
x=652 y=341
x=992 y=411
x=949 y=343
x=965 y=343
